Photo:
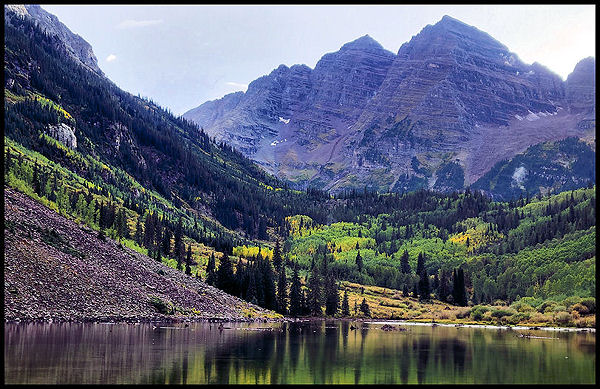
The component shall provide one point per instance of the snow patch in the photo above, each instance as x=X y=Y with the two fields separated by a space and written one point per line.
x=432 y=65
x=519 y=176
x=531 y=116
x=276 y=142
x=286 y=121
x=518 y=117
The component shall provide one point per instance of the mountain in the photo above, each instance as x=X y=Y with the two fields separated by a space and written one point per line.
x=581 y=86
x=76 y=46
x=430 y=116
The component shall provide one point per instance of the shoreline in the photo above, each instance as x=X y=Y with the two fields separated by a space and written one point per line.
x=487 y=326
x=297 y=320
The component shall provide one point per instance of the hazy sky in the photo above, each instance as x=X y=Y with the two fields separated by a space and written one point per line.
x=182 y=56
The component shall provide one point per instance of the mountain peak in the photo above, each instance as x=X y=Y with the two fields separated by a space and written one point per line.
x=76 y=46
x=365 y=42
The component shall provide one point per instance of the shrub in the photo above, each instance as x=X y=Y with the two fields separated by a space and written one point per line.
x=477 y=312
x=572 y=300
x=547 y=306
x=531 y=301
x=521 y=316
x=580 y=309
x=590 y=303
x=501 y=312
x=559 y=308
x=540 y=318
x=521 y=306
x=586 y=322
x=563 y=318
x=462 y=313
x=499 y=303
x=164 y=307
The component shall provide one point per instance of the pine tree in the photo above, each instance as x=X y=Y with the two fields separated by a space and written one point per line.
x=420 y=264
x=458 y=290
x=423 y=285
x=277 y=261
x=314 y=294
x=359 y=261
x=166 y=242
x=188 y=261
x=282 y=292
x=148 y=230
x=138 y=232
x=404 y=265
x=295 y=294
x=225 y=277
x=270 y=294
x=345 y=306
x=443 y=288
x=179 y=247
x=364 y=308
x=211 y=275
x=241 y=278
x=424 y=293
x=332 y=298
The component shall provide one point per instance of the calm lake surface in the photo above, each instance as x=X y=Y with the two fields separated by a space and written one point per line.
x=308 y=352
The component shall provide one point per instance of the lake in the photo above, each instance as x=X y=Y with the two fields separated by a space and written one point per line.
x=330 y=352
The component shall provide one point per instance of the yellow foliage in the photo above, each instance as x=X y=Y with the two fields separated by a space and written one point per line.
x=252 y=251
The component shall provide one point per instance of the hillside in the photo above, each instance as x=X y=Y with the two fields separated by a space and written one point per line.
x=131 y=148
x=429 y=116
x=549 y=166
x=55 y=268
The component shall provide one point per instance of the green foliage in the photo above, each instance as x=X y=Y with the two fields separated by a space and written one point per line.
x=477 y=312
x=162 y=306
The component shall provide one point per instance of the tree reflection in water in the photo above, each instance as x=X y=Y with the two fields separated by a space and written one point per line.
x=295 y=352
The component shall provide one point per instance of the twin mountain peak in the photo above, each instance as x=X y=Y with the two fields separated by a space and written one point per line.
x=440 y=113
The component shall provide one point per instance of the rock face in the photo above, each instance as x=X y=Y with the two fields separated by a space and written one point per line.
x=75 y=45
x=63 y=133
x=581 y=86
x=435 y=111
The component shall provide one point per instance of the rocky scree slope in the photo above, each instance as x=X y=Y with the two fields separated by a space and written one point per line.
x=365 y=116
x=57 y=269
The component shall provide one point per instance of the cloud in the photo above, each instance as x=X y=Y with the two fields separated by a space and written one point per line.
x=237 y=85
x=111 y=57
x=130 y=23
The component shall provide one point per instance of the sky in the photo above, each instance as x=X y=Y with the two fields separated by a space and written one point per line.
x=182 y=56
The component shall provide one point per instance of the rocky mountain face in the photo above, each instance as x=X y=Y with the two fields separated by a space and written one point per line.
x=433 y=115
x=75 y=45
x=581 y=86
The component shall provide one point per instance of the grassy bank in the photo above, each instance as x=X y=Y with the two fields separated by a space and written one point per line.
x=386 y=303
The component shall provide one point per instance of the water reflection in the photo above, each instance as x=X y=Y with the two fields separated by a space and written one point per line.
x=303 y=352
